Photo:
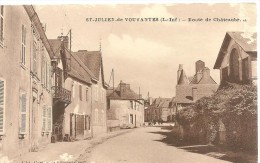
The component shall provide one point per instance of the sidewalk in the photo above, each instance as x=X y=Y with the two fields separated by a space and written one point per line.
x=66 y=151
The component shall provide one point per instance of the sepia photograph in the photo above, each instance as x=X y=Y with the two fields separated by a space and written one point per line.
x=128 y=82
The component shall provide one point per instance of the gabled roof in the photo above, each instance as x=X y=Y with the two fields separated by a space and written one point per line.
x=247 y=41
x=92 y=59
x=78 y=70
x=129 y=94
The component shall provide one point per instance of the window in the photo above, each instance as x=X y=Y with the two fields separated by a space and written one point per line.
x=50 y=76
x=1 y=24
x=80 y=92
x=23 y=114
x=23 y=45
x=131 y=105
x=89 y=122
x=72 y=88
x=86 y=122
x=49 y=119
x=86 y=93
x=2 y=108
x=43 y=70
x=44 y=118
x=131 y=119
x=35 y=58
x=46 y=74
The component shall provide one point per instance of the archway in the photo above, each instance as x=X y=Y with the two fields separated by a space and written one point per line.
x=234 y=66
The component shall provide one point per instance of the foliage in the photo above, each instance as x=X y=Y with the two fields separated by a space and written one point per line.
x=235 y=105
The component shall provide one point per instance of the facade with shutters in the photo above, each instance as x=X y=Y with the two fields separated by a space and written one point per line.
x=25 y=82
x=85 y=115
x=125 y=108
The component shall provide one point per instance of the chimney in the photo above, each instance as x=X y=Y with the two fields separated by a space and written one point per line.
x=179 y=72
x=194 y=94
x=206 y=72
x=199 y=65
x=123 y=88
x=64 y=39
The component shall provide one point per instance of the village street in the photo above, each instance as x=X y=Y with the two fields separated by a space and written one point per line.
x=144 y=145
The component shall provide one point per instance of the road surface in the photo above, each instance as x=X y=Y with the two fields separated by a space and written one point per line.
x=145 y=145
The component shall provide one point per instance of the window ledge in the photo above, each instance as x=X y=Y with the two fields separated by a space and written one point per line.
x=1 y=136
x=23 y=66
x=21 y=136
x=1 y=44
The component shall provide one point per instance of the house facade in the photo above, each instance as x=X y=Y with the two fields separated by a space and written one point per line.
x=161 y=110
x=189 y=90
x=93 y=61
x=85 y=115
x=25 y=82
x=125 y=107
x=237 y=58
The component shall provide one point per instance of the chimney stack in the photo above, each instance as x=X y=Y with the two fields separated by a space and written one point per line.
x=179 y=72
x=65 y=40
x=206 y=72
x=199 y=65
x=123 y=88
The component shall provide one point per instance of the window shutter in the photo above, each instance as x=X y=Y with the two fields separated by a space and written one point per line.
x=44 y=118
x=1 y=24
x=42 y=69
x=2 y=106
x=80 y=92
x=50 y=72
x=49 y=119
x=87 y=94
x=23 y=114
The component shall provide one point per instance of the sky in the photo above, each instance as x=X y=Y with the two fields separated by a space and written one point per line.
x=148 y=54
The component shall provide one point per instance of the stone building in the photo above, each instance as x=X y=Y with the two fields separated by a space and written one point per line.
x=125 y=108
x=93 y=60
x=85 y=115
x=189 y=90
x=25 y=82
x=237 y=58
x=161 y=110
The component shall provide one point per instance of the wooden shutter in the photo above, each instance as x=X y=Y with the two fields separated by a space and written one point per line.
x=89 y=122
x=80 y=92
x=49 y=119
x=86 y=94
x=2 y=23
x=23 y=114
x=86 y=122
x=44 y=113
x=50 y=72
x=2 y=97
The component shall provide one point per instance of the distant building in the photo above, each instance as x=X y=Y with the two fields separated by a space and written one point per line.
x=189 y=90
x=161 y=109
x=237 y=58
x=125 y=107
